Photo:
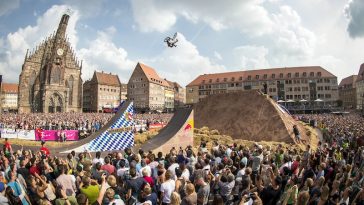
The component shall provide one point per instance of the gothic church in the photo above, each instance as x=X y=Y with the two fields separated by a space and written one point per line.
x=50 y=80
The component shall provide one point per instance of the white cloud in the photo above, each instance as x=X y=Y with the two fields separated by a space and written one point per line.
x=248 y=16
x=151 y=18
x=103 y=54
x=7 y=6
x=217 y=55
x=183 y=63
x=354 y=11
x=15 y=44
x=87 y=8
x=291 y=41
x=251 y=57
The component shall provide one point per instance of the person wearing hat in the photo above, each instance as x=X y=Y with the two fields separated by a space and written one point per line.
x=3 y=200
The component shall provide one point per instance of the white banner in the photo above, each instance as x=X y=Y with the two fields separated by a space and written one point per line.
x=9 y=133
x=18 y=134
x=26 y=134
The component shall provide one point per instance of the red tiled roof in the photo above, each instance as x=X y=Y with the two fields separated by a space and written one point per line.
x=361 y=73
x=107 y=79
x=10 y=87
x=152 y=76
x=264 y=74
x=348 y=81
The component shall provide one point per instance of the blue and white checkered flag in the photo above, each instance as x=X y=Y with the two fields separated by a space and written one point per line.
x=118 y=136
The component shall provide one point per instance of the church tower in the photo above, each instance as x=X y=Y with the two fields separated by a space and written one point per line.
x=50 y=80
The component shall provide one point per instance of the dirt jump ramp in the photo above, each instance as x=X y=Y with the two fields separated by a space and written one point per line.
x=177 y=133
x=247 y=115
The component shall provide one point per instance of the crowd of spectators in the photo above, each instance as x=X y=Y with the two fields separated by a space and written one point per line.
x=161 y=118
x=55 y=121
x=86 y=122
x=213 y=174
x=338 y=129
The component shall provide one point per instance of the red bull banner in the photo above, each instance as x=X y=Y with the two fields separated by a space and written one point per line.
x=156 y=126
x=56 y=135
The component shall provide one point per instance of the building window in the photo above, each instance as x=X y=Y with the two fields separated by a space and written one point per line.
x=273 y=76
x=225 y=79
x=249 y=77
x=101 y=88
x=289 y=75
x=217 y=80
x=240 y=78
x=203 y=81
x=210 y=81
x=232 y=79
x=312 y=74
x=265 y=76
x=319 y=74
x=281 y=75
x=257 y=77
x=304 y=74
x=297 y=75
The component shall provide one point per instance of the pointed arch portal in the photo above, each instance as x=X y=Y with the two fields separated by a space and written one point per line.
x=55 y=103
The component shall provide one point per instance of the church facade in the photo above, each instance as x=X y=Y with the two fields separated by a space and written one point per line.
x=50 y=80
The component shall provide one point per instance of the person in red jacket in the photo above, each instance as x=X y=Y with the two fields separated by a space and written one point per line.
x=44 y=149
x=7 y=147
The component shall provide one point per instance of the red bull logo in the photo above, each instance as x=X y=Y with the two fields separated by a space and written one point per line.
x=188 y=127
x=128 y=116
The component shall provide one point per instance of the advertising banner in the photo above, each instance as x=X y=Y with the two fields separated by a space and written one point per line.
x=17 y=134
x=26 y=134
x=55 y=135
x=9 y=133
x=156 y=126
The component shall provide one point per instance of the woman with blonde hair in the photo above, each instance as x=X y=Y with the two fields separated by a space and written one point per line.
x=175 y=199
x=303 y=198
x=325 y=192
x=191 y=195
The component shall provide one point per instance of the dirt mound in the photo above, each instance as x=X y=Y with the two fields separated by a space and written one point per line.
x=246 y=115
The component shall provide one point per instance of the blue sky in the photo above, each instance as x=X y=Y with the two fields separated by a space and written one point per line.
x=214 y=35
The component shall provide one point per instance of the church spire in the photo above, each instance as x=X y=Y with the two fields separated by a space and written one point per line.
x=61 y=31
x=26 y=55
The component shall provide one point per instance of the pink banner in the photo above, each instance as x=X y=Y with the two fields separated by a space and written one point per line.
x=55 y=135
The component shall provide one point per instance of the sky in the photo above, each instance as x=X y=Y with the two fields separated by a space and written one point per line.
x=214 y=35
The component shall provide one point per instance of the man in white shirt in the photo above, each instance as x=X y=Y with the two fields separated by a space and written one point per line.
x=167 y=188
x=173 y=167
x=98 y=159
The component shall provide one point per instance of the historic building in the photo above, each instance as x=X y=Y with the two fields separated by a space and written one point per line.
x=149 y=91
x=294 y=83
x=179 y=94
x=9 y=97
x=347 y=92
x=102 y=91
x=168 y=98
x=50 y=80
x=360 y=88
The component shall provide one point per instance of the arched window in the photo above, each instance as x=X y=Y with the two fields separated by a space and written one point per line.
x=70 y=86
x=31 y=87
x=56 y=75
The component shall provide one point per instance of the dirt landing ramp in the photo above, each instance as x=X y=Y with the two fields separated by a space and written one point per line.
x=246 y=115
x=177 y=133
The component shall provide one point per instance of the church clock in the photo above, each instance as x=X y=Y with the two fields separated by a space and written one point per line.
x=59 y=51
